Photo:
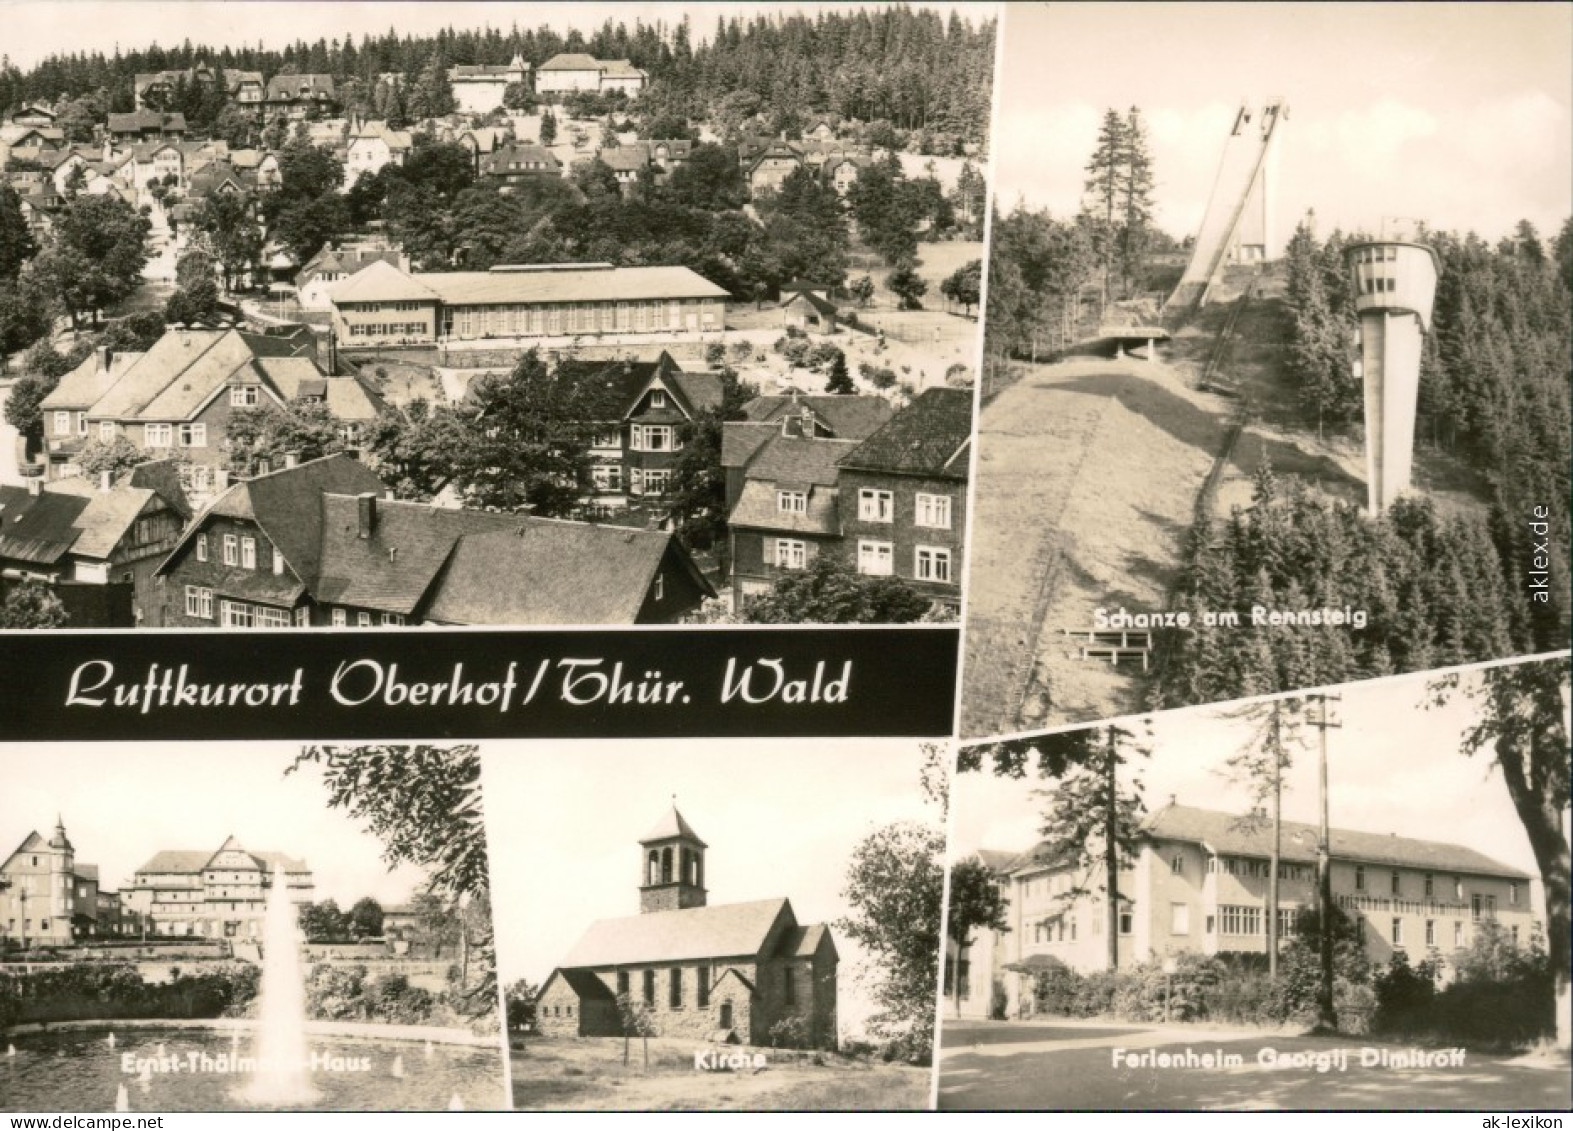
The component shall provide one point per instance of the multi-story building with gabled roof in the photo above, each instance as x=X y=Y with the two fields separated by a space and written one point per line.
x=213 y=894
x=1199 y=883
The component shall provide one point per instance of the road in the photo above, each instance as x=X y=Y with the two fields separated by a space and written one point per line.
x=10 y=440
x=1070 y=1065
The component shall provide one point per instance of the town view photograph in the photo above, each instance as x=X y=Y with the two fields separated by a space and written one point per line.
x=488 y=314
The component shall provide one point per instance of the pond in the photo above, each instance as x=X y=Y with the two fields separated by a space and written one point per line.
x=168 y=1070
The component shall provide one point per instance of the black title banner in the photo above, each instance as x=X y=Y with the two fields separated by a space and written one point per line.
x=492 y=684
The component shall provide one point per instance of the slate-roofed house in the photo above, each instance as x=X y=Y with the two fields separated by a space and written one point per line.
x=178 y=397
x=782 y=466
x=569 y=72
x=96 y=543
x=480 y=88
x=658 y=400
x=904 y=495
x=47 y=897
x=318 y=544
x=335 y=263
x=517 y=162
x=299 y=96
x=144 y=125
x=220 y=894
x=773 y=165
x=729 y=972
x=370 y=146
x=1199 y=884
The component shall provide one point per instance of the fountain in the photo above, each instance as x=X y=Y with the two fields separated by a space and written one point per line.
x=111 y=1040
x=398 y=1068
x=282 y=1056
x=122 y=1099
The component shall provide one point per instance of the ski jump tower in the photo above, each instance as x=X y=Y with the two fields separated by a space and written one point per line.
x=1394 y=286
x=1238 y=224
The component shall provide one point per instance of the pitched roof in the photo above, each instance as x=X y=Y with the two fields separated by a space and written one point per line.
x=625 y=158
x=158 y=368
x=185 y=861
x=927 y=437
x=518 y=156
x=803 y=942
x=800 y=459
x=1224 y=833
x=288 y=505
x=670 y=826
x=566 y=283
x=585 y=985
x=83 y=386
x=848 y=417
x=108 y=514
x=740 y=439
x=381 y=281
x=39 y=529
x=571 y=61
x=140 y=120
x=758 y=508
x=562 y=573
x=287 y=87
x=732 y=930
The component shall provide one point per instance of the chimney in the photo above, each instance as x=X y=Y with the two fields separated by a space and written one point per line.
x=367 y=507
x=105 y=357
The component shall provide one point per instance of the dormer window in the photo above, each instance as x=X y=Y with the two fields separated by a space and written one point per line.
x=792 y=502
x=657 y=398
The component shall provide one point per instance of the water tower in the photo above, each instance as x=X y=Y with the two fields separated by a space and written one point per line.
x=1395 y=283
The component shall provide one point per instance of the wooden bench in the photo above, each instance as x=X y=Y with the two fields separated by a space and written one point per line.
x=1114 y=654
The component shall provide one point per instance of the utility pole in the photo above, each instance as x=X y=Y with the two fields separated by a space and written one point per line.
x=1273 y=861
x=1111 y=857
x=1326 y=1015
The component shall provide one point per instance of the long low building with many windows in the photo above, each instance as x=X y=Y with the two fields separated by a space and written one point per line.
x=382 y=305
x=1199 y=883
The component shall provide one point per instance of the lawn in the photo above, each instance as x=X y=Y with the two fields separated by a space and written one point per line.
x=588 y=1074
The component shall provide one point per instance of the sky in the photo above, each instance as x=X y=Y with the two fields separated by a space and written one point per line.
x=34 y=29
x=123 y=802
x=780 y=819
x=1457 y=114
x=1394 y=767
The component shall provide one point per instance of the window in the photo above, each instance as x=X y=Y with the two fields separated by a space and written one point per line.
x=932 y=564
x=1458 y=933
x=303 y=616
x=1177 y=864
x=278 y=561
x=1127 y=922
x=199 y=602
x=81 y=424
x=1476 y=906
x=1242 y=921
x=649 y=987
x=362 y=620
x=622 y=983
x=239 y=614
x=659 y=590
x=674 y=997
x=243 y=396
x=1458 y=887
x=1179 y=918
x=62 y=423
x=791 y=553
x=1430 y=932
x=653 y=438
x=933 y=510
x=657 y=481
x=1430 y=885
x=1397 y=888
x=726 y=1015
x=702 y=986
x=1287 y=917
x=193 y=435
x=231 y=550
x=875 y=506
x=1398 y=931
x=792 y=502
x=341 y=618
x=607 y=477
x=657 y=398
x=874 y=558
x=1359 y=877
x=202 y=547
x=1512 y=894
x=248 y=553
x=392 y=619
x=788 y=987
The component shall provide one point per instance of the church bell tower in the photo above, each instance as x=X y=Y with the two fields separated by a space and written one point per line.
x=672 y=866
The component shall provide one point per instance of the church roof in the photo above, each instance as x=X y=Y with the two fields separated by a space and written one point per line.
x=732 y=930
x=670 y=827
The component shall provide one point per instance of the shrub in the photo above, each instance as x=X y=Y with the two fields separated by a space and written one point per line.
x=795 y=351
x=880 y=376
x=715 y=355
x=1404 y=995
x=742 y=351
x=789 y=1032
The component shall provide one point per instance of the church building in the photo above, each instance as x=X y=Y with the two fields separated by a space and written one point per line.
x=741 y=973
